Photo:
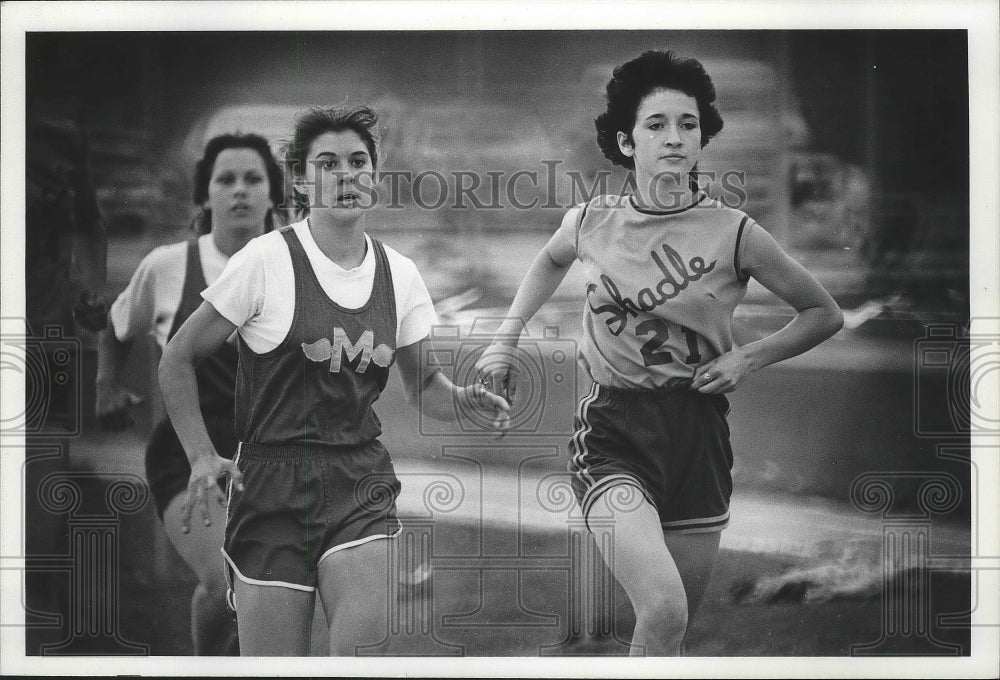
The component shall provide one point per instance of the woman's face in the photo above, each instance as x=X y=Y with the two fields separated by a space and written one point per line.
x=239 y=191
x=338 y=174
x=666 y=138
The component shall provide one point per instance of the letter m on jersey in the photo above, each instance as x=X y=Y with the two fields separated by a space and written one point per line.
x=324 y=350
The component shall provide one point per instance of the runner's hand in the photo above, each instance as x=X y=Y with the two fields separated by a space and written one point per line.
x=114 y=406
x=483 y=400
x=722 y=374
x=203 y=487
x=497 y=370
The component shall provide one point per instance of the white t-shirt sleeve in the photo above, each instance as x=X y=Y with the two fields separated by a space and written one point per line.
x=238 y=293
x=133 y=313
x=415 y=315
x=149 y=303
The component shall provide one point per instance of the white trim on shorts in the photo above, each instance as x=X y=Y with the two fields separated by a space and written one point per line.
x=606 y=484
x=297 y=586
x=697 y=526
x=257 y=582
x=698 y=530
x=229 y=480
x=360 y=541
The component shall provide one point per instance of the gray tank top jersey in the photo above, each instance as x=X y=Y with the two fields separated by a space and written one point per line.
x=661 y=289
x=318 y=386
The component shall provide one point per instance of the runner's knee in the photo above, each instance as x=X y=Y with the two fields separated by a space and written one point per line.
x=664 y=611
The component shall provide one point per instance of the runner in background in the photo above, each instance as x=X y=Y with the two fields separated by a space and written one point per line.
x=238 y=187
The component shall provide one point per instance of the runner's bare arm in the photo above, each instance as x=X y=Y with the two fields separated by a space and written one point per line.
x=428 y=390
x=203 y=332
x=114 y=402
x=543 y=277
x=818 y=315
x=817 y=318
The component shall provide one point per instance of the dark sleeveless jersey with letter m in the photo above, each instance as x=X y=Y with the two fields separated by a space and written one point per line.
x=661 y=289
x=318 y=386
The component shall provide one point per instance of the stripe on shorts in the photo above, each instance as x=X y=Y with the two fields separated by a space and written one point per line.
x=229 y=480
x=606 y=484
x=699 y=525
x=579 y=437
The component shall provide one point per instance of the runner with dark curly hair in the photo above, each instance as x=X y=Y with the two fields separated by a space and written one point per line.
x=666 y=268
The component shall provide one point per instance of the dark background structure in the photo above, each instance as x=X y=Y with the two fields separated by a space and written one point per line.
x=893 y=104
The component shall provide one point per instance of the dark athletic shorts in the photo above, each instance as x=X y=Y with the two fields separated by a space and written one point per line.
x=167 y=467
x=302 y=503
x=670 y=445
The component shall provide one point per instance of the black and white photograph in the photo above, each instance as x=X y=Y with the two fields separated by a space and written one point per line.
x=639 y=339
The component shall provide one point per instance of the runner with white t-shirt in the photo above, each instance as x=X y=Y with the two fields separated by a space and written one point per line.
x=321 y=311
x=237 y=185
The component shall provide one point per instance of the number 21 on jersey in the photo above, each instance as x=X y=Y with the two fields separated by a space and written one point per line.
x=653 y=355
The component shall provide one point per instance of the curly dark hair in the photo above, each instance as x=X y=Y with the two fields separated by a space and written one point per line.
x=319 y=120
x=206 y=164
x=634 y=80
